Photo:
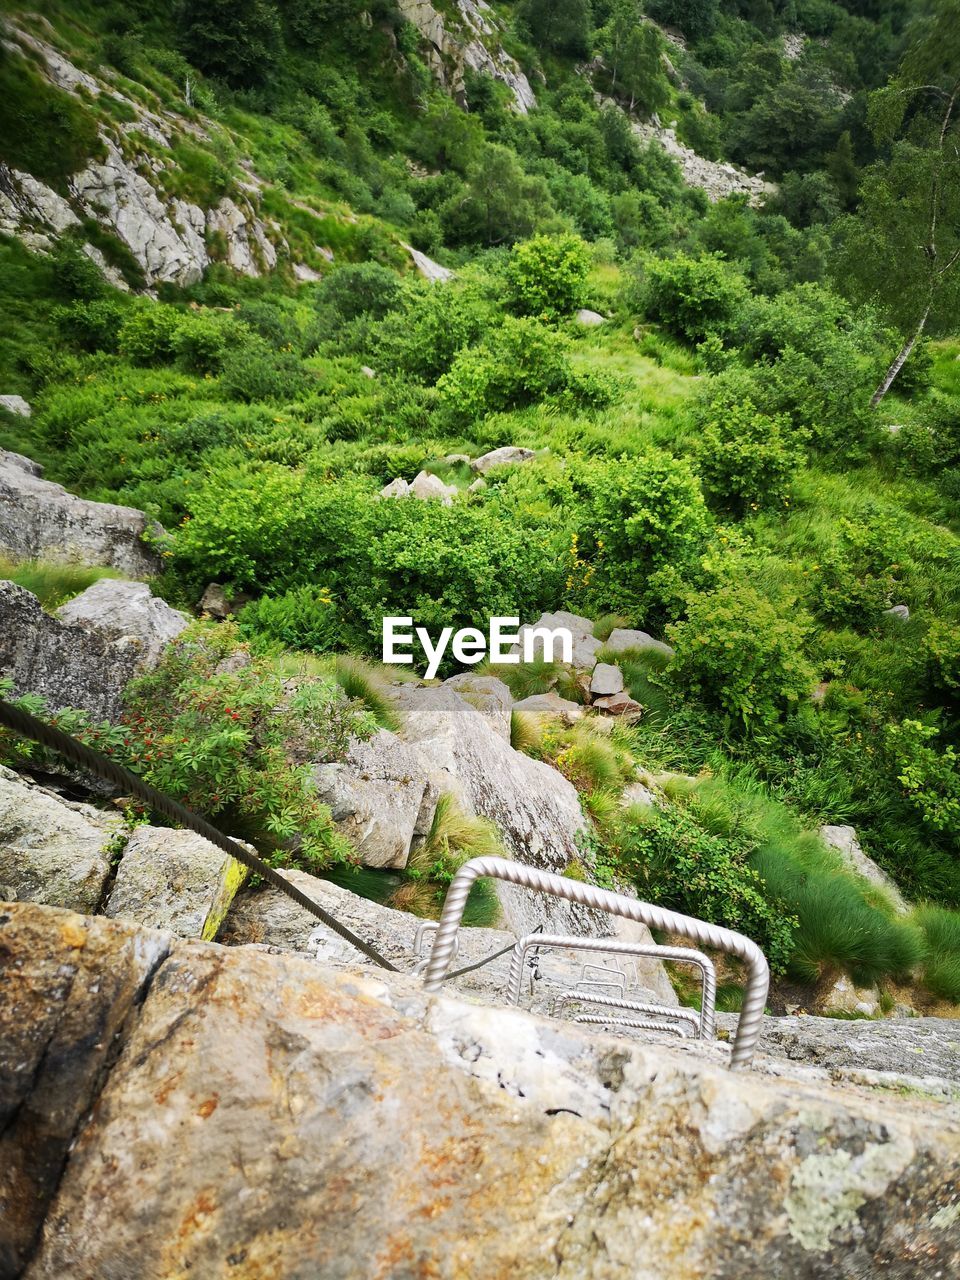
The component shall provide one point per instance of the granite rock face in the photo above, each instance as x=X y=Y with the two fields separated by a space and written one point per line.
x=489 y=696
x=847 y=844
x=264 y=1115
x=42 y=521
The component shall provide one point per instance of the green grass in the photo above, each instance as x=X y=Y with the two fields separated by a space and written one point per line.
x=525 y=732
x=53 y=584
x=941 y=963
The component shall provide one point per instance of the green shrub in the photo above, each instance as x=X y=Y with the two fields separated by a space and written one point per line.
x=254 y=371
x=692 y=297
x=359 y=289
x=941 y=961
x=519 y=363
x=93 y=325
x=304 y=618
x=44 y=131
x=422 y=338
x=742 y=656
x=149 y=334
x=928 y=774
x=747 y=459
x=547 y=276
x=942 y=652
x=203 y=340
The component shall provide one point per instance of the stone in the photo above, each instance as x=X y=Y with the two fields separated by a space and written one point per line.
x=490 y=696
x=215 y=603
x=128 y=610
x=380 y=797
x=585 y=645
x=426 y=267
x=476 y=485
x=844 y=997
x=70 y=664
x=174 y=880
x=618 y=704
x=426 y=487
x=53 y=850
x=249 y=249
x=367 y=371
x=67 y=990
x=622 y=639
x=267 y=1113
x=18 y=406
x=899 y=611
x=42 y=521
x=395 y=489
x=550 y=706
x=847 y=844
x=606 y=680
x=454 y=458
x=589 y=319
x=509 y=455
x=637 y=793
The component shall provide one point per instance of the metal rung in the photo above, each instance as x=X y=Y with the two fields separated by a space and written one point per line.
x=681 y=1015
x=638 y=1024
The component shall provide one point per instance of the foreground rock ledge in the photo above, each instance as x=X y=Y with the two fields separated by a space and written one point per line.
x=257 y=1115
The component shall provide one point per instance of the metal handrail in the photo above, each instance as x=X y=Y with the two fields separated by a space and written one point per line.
x=683 y=955
x=699 y=931
x=639 y=1024
x=629 y=1006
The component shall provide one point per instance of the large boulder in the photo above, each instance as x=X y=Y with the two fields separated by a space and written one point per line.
x=381 y=798
x=85 y=657
x=174 y=880
x=585 y=646
x=490 y=696
x=42 y=521
x=847 y=844
x=508 y=455
x=262 y=1114
x=623 y=638
x=52 y=850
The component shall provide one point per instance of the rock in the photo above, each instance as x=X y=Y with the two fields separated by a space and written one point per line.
x=426 y=487
x=847 y=844
x=249 y=250
x=550 y=706
x=585 y=646
x=19 y=406
x=618 y=704
x=622 y=639
x=606 y=680
x=509 y=455
x=73 y=664
x=18 y=460
x=429 y=269
x=637 y=793
x=52 y=850
x=590 y=319
x=395 y=489
x=304 y=274
x=42 y=521
x=844 y=997
x=381 y=798
x=490 y=696
x=306 y=1122
x=367 y=371
x=129 y=611
x=174 y=880
x=476 y=485
x=899 y=611
x=454 y=458
x=216 y=603
x=66 y=993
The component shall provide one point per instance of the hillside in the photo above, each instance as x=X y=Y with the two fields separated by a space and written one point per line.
x=266 y=266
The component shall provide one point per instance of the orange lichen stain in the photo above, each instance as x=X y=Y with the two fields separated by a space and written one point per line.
x=166 y=1088
x=195 y=1220
x=209 y=1106
x=73 y=934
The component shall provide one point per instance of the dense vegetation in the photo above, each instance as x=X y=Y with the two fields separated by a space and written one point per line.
x=709 y=466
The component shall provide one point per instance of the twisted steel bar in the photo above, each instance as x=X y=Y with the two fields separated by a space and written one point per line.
x=639 y=1024
x=683 y=955
x=686 y=1016
x=699 y=931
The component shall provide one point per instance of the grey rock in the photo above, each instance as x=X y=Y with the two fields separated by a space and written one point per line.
x=550 y=706
x=17 y=405
x=589 y=319
x=606 y=680
x=354 y=1126
x=426 y=267
x=40 y=520
x=398 y=488
x=845 y=997
x=623 y=638
x=367 y=371
x=585 y=646
x=457 y=457
x=899 y=611
x=618 y=704
x=847 y=844
x=129 y=611
x=508 y=455
x=216 y=603
x=52 y=850
x=174 y=880
x=426 y=487
x=490 y=696
x=381 y=798
x=637 y=793
x=476 y=485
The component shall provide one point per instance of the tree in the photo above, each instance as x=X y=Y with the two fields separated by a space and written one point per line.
x=501 y=203
x=236 y=40
x=559 y=26
x=633 y=51
x=901 y=250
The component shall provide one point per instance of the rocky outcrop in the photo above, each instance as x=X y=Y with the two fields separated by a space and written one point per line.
x=42 y=521
x=490 y=696
x=847 y=844
x=426 y=267
x=585 y=646
x=178 y=1108
x=86 y=657
x=465 y=36
x=174 y=880
x=52 y=850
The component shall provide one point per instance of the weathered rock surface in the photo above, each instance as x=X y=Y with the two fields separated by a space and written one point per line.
x=381 y=797
x=129 y=610
x=268 y=1115
x=551 y=707
x=618 y=704
x=427 y=268
x=489 y=696
x=426 y=486
x=585 y=645
x=623 y=638
x=52 y=850
x=508 y=455
x=17 y=405
x=174 y=880
x=845 y=841
x=77 y=662
x=606 y=680
x=717 y=178
x=42 y=521
x=589 y=319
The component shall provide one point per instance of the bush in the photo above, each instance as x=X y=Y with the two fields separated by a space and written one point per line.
x=360 y=289
x=305 y=618
x=742 y=656
x=519 y=363
x=942 y=653
x=929 y=774
x=692 y=297
x=547 y=276
x=149 y=334
x=747 y=458
x=422 y=338
x=255 y=371
x=203 y=340
x=941 y=963
x=92 y=326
